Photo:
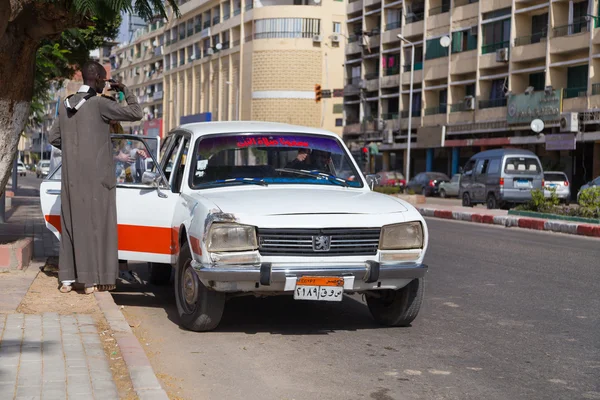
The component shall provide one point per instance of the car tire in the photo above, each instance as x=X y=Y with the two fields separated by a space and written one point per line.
x=443 y=194
x=160 y=274
x=397 y=307
x=491 y=202
x=199 y=309
x=466 y=200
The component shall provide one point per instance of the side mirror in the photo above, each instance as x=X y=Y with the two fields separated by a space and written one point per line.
x=460 y=170
x=372 y=180
x=150 y=178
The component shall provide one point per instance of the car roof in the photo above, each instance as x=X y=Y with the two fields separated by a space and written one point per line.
x=207 y=128
x=504 y=152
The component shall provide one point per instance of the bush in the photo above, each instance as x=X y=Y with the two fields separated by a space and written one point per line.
x=589 y=200
x=540 y=203
x=589 y=204
x=387 y=189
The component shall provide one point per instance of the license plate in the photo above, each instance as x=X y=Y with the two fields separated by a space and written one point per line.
x=318 y=288
x=552 y=185
x=523 y=183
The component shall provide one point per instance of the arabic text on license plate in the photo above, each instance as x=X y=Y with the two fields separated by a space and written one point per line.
x=552 y=185
x=319 y=288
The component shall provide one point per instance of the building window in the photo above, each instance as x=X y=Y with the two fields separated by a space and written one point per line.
x=496 y=35
x=463 y=41
x=337 y=27
x=470 y=90
x=339 y=122
x=537 y=81
x=286 y=28
x=497 y=13
x=434 y=49
x=577 y=81
x=338 y=108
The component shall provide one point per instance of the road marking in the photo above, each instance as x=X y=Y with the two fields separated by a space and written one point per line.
x=450 y=304
x=439 y=372
x=412 y=372
x=559 y=381
x=474 y=368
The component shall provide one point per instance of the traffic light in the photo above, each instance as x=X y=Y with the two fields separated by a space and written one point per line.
x=318 y=94
x=364 y=155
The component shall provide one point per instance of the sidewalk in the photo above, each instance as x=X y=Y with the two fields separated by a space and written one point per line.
x=53 y=357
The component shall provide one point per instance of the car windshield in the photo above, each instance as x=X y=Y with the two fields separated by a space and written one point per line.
x=522 y=165
x=554 y=177
x=272 y=158
x=438 y=176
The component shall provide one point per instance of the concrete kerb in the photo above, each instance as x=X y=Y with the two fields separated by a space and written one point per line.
x=145 y=383
x=513 y=221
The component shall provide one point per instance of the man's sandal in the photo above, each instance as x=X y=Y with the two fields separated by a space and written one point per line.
x=105 y=288
x=65 y=288
x=89 y=289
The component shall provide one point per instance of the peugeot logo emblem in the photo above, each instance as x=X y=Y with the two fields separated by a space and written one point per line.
x=321 y=243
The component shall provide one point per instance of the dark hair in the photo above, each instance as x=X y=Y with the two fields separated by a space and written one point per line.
x=91 y=70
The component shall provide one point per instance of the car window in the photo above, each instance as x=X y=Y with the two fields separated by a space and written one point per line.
x=597 y=181
x=181 y=166
x=481 y=167
x=554 y=177
x=436 y=176
x=494 y=167
x=469 y=167
x=522 y=165
x=169 y=159
x=127 y=171
x=272 y=158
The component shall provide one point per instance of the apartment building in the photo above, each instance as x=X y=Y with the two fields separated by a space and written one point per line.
x=139 y=65
x=483 y=71
x=255 y=60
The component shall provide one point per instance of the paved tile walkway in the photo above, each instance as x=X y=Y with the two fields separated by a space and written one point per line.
x=52 y=357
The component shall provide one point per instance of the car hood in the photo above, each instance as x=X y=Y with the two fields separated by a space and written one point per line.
x=298 y=201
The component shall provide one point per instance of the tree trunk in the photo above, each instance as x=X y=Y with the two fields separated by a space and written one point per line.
x=17 y=68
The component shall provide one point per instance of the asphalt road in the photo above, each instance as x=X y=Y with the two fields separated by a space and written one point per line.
x=508 y=314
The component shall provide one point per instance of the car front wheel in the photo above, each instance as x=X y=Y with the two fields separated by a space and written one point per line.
x=397 y=307
x=199 y=308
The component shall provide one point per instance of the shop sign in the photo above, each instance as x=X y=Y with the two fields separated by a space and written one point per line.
x=524 y=108
x=560 y=141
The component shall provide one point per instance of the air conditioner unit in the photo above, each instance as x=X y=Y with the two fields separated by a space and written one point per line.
x=335 y=38
x=389 y=137
x=210 y=51
x=193 y=57
x=474 y=30
x=148 y=90
x=569 y=122
x=469 y=103
x=502 y=55
x=317 y=38
x=155 y=43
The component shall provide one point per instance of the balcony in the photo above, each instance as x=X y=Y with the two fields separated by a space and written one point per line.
x=415 y=114
x=529 y=48
x=216 y=20
x=492 y=103
x=463 y=62
x=352 y=129
x=570 y=38
x=415 y=17
x=237 y=12
x=595 y=97
x=436 y=110
x=391 y=71
x=206 y=24
x=570 y=93
x=352 y=47
x=354 y=6
x=414 y=25
x=464 y=9
x=418 y=73
x=226 y=16
x=158 y=95
x=225 y=45
x=595 y=89
x=492 y=47
x=198 y=28
x=393 y=25
x=249 y=7
x=444 y=8
x=389 y=116
x=182 y=35
x=390 y=81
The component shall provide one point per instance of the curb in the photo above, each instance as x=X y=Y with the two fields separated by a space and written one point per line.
x=508 y=221
x=145 y=382
x=16 y=255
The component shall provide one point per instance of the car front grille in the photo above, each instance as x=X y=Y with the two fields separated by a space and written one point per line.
x=301 y=242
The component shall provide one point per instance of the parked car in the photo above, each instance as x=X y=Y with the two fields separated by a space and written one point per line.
x=21 y=170
x=592 y=183
x=500 y=178
x=233 y=218
x=427 y=183
x=560 y=183
x=42 y=169
x=450 y=189
x=392 y=178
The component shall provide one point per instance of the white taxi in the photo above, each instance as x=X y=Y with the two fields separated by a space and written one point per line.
x=255 y=208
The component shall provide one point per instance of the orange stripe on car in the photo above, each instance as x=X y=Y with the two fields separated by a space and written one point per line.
x=143 y=239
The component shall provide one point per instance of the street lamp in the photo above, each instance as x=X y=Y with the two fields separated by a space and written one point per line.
x=410 y=99
x=237 y=99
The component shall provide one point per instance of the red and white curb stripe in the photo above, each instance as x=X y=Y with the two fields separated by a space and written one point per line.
x=572 y=228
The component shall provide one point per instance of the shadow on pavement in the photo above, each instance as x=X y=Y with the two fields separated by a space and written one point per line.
x=276 y=315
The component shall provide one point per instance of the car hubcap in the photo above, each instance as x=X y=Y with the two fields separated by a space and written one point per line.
x=190 y=286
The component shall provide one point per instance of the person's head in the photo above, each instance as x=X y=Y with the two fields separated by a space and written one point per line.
x=302 y=154
x=94 y=75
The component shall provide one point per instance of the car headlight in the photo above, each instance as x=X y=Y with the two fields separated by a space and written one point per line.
x=231 y=237
x=403 y=236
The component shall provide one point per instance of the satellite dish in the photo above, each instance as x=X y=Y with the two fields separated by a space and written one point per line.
x=219 y=46
x=537 y=125
x=317 y=1
x=445 y=41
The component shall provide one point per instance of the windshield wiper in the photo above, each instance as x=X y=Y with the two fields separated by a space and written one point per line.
x=251 y=181
x=315 y=174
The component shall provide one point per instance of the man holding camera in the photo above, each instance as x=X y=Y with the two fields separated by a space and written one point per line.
x=88 y=245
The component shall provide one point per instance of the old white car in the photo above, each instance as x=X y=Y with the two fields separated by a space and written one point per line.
x=253 y=208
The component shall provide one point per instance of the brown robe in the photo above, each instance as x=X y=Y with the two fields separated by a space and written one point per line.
x=88 y=245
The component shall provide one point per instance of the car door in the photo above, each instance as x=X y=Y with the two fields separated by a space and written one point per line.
x=480 y=180
x=144 y=212
x=452 y=187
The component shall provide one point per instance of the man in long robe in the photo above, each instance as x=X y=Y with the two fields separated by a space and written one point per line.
x=88 y=245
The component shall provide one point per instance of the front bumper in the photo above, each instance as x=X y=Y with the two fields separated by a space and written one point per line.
x=269 y=276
